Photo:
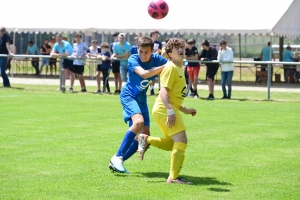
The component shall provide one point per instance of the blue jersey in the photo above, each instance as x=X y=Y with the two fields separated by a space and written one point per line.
x=136 y=86
x=66 y=47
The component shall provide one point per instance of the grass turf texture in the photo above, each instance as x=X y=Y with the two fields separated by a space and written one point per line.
x=58 y=146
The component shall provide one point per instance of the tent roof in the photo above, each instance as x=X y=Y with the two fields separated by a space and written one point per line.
x=224 y=17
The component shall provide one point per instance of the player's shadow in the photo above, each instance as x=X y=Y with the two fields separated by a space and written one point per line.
x=14 y=88
x=194 y=179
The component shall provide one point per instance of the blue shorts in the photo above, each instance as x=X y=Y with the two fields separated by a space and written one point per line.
x=131 y=107
x=45 y=61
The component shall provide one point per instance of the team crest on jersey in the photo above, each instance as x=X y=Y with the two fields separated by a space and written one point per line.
x=143 y=85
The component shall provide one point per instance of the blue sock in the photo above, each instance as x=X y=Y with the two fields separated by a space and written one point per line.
x=127 y=141
x=132 y=149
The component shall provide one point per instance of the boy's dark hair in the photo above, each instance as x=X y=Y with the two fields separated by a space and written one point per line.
x=145 y=42
x=167 y=40
x=115 y=34
x=269 y=43
x=153 y=31
x=205 y=42
x=223 y=42
x=191 y=41
x=78 y=34
x=174 y=43
x=105 y=44
x=30 y=42
x=94 y=41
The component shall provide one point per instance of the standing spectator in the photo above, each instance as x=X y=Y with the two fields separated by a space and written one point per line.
x=163 y=50
x=52 y=61
x=4 y=49
x=134 y=48
x=13 y=50
x=154 y=34
x=122 y=51
x=94 y=52
x=226 y=54
x=266 y=54
x=80 y=51
x=208 y=54
x=116 y=65
x=33 y=50
x=193 y=69
x=45 y=50
x=63 y=49
x=287 y=56
x=105 y=56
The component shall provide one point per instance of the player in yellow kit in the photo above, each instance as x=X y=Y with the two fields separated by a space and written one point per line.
x=166 y=112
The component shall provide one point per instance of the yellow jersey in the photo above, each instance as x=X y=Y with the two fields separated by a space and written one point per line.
x=172 y=77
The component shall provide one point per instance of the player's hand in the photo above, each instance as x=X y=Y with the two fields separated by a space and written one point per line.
x=191 y=111
x=171 y=120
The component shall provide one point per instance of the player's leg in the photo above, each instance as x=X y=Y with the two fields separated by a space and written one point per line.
x=152 y=87
x=131 y=113
x=196 y=71
x=98 y=80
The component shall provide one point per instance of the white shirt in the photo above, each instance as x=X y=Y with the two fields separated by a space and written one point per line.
x=99 y=61
x=225 y=56
x=79 y=50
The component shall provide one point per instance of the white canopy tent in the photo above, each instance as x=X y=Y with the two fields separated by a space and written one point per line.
x=224 y=17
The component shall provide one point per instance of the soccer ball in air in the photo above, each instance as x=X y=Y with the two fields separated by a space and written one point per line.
x=158 y=9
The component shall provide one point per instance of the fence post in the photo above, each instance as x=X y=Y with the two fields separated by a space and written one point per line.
x=60 y=73
x=269 y=79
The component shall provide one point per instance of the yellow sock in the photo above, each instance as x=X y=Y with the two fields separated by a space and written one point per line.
x=177 y=158
x=161 y=143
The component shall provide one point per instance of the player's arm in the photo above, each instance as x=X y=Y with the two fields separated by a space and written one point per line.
x=148 y=73
x=188 y=111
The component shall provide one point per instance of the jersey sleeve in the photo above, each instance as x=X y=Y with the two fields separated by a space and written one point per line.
x=167 y=76
x=133 y=63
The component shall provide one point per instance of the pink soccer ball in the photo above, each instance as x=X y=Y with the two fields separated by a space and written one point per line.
x=158 y=9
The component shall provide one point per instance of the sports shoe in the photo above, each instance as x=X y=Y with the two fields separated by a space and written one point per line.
x=97 y=92
x=116 y=164
x=211 y=97
x=83 y=90
x=63 y=89
x=224 y=97
x=196 y=96
x=143 y=145
x=192 y=94
x=152 y=92
x=178 y=181
x=70 y=89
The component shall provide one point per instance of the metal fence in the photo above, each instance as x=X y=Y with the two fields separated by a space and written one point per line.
x=91 y=62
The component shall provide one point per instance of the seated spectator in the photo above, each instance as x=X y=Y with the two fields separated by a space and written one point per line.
x=33 y=50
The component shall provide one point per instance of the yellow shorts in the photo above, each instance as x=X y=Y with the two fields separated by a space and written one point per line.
x=160 y=115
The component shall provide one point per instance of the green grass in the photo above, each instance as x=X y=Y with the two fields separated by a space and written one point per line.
x=58 y=146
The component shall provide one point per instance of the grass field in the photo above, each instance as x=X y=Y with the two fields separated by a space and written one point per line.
x=58 y=146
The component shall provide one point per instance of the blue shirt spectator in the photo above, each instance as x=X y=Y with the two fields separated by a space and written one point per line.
x=106 y=63
x=267 y=53
x=62 y=49
x=120 y=50
x=32 y=49
x=287 y=55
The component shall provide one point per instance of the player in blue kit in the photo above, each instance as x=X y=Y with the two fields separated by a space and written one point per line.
x=142 y=69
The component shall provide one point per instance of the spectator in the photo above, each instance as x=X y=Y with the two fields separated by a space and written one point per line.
x=163 y=50
x=63 y=49
x=45 y=50
x=122 y=51
x=266 y=54
x=105 y=56
x=33 y=50
x=226 y=54
x=80 y=51
x=154 y=34
x=94 y=52
x=134 y=48
x=287 y=56
x=193 y=69
x=4 y=49
x=52 y=61
x=116 y=65
x=208 y=54
x=13 y=50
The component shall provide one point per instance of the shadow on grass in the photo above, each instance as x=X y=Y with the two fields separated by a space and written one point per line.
x=218 y=189
x=194 y=179
x=14 y=88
